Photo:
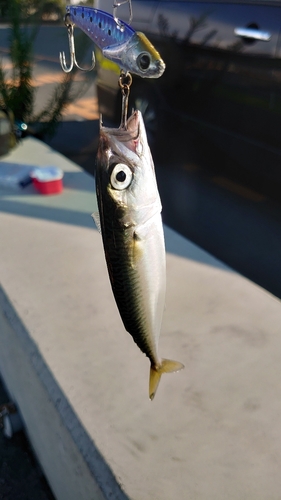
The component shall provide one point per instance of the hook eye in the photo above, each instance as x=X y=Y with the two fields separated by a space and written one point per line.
x=67 y=21
x=117 y=4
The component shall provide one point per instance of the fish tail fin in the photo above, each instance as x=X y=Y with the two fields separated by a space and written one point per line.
x=167 y=366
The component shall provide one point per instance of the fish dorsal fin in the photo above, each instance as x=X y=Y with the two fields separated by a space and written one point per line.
x=96 y=217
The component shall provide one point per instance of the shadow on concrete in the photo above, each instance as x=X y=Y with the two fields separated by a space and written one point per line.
x=21 y=476
x=78 y=180
x=180 y=246
x=44 y=212
x=242 y=232
x=77 y=140
x=174 y=242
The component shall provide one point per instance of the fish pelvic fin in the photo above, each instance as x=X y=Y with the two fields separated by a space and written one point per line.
x=167 y=366
x=96 y=218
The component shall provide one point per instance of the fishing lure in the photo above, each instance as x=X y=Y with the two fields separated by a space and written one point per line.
x=130 y=49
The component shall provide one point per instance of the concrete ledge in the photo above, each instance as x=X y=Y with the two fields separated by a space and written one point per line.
x=213 y=430
x=69 y=458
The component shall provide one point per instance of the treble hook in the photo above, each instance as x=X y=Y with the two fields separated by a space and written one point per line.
x=70 y=31
x=115 y=7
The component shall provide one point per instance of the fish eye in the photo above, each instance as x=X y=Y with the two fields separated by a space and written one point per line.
x=143 y=61
x=121 y=176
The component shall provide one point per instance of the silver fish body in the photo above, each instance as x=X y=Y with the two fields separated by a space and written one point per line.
x=128 y=48
x=131 y=226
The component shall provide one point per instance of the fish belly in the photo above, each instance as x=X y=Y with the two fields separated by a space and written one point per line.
x=137 y=269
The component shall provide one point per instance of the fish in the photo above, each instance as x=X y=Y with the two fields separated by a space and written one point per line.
x=120 y=43
x=129 y=219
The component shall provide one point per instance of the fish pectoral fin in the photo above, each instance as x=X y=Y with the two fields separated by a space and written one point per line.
x=137 y=236
x=167 y=366
x=96 y=217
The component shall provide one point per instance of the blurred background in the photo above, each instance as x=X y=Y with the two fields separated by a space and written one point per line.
x=38 y=99
x=213 y=119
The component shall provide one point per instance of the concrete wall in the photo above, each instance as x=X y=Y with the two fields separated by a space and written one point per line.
x=71 y=462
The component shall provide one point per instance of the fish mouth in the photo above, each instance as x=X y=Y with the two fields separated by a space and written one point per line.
x=128 y=133
x=161 y=66
x=131 y=136
x=133 y=124
x=156 y=70
x=130 y=139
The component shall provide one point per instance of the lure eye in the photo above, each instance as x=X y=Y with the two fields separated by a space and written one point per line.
x=143 y=61
x=121 y=176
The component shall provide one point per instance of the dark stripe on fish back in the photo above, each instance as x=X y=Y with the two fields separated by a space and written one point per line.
x=125 y=283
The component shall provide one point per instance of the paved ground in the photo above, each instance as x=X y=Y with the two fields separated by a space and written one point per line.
x=20 y=475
